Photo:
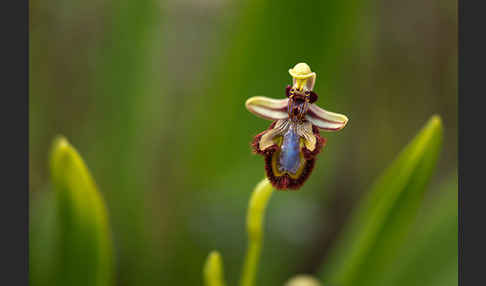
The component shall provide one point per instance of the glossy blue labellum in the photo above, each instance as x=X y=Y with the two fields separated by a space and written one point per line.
x=290 y=154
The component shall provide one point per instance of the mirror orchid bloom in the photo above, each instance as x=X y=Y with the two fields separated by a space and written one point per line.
x=292 y=141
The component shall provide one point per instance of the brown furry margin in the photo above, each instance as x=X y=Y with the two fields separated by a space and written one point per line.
x=285 y=181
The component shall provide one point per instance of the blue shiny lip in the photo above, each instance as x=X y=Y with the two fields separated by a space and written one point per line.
x=289 y=160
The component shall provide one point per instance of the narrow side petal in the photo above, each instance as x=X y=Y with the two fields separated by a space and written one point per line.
x=267 y=139
x=268 y=108
x=256 y=140
x=320 y=143
x=326 y=120
x=305 y=131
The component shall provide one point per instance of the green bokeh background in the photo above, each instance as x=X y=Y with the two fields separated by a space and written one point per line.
x=152 y=95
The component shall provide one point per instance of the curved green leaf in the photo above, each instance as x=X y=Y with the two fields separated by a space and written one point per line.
x=430 y=256
x=84 y=254
x=379 y=225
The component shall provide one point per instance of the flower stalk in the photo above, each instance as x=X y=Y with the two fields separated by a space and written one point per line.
x=213 y=270
x=254 y=223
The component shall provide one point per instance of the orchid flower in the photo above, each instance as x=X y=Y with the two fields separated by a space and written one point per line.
x=292 y=141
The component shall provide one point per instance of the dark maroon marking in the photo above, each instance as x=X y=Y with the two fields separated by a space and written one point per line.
x=313 y=97
x=285 y=181
x=287 y=90
x=255 y=144
x=299 y=98
x=320 y=143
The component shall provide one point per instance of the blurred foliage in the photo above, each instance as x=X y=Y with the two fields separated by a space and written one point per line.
x=381 y=221
x=153 y=93
x=303 y=280
x=80 y=246
x=124 y=86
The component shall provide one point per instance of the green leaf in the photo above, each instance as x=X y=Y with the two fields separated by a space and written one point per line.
x=381 y=221
x=84 y=254
x=430 y=256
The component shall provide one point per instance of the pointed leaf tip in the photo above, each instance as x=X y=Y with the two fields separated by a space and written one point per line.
x=435 y=119
x=60 y=142
x=435 y=123
x=85 y=244
x=384 y=215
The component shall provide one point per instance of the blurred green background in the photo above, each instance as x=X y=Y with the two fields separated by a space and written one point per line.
x=152 y=95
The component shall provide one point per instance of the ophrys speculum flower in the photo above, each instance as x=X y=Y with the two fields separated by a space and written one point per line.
x=292 y=141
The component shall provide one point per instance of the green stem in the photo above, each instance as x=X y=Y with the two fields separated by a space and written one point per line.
x=213 y=270
x=254 y=224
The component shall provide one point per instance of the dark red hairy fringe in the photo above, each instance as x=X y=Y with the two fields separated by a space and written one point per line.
x=320 y=143
x=285 y=181
x=256 y=141
x=287 y=90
